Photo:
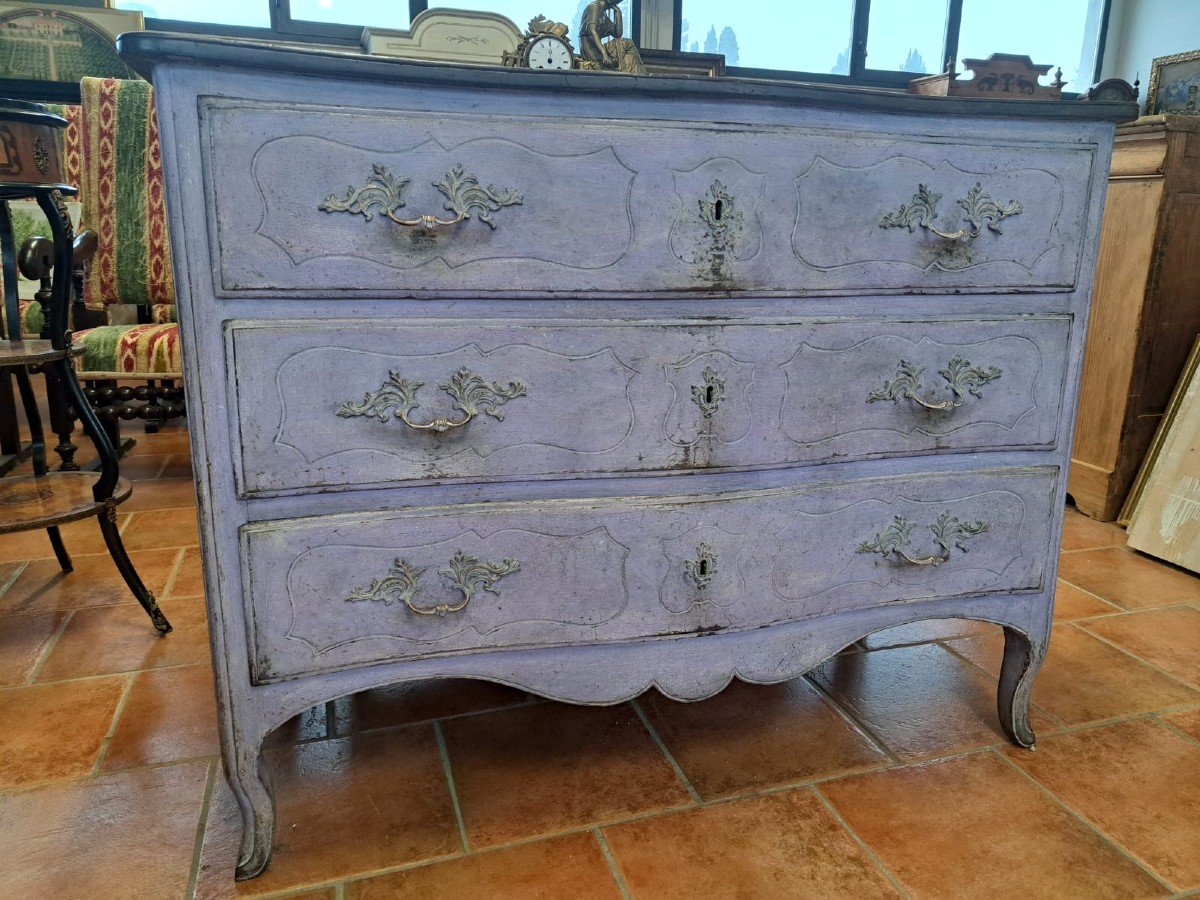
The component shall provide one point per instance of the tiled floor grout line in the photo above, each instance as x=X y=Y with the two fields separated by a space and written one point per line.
x=176 y=565
x=83 y=779
x=611 y=861
x=1171 y=727
x=862 y=844
x=201 y=826
x=1089 y=824
x=399 y=726
x=448 y=772
x=670 y=757
x=78 y=678
x=1119 y=613
x=36 y=671
x=849 y=718
x=21 y=566
x=112 y=727
x=1145 y=662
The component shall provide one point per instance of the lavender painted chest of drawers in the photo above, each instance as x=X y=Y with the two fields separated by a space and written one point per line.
x=590 y=384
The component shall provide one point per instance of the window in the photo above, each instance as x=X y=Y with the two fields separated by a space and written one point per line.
x=378 y=13
x=887 y=42
x=792 y=37
x=907 y=36
x=568 y=12
x=246 y=13
x=1060 y=38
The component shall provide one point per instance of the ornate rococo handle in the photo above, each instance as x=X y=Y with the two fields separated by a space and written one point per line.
x=383 y=193
x=980 y=209
x=466 y=574
x=948 y=531
x=398 y=396
x=962 y=378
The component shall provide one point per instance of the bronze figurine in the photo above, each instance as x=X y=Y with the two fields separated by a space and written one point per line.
x=601 y=42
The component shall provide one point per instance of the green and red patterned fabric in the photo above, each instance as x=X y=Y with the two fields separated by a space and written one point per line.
x=121 y=186
x=134 y=351
x=111 y=150
x=33 y=319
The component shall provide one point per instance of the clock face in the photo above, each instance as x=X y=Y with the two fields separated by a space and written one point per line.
x=548 y=53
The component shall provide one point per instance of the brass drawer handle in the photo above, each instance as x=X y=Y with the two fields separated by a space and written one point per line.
x=948 y=531
x=979 y=208
x=466 y=574
x=383 y=193
x=398 y=396
x=702 y=569
x=961 y=377
x=708 y=396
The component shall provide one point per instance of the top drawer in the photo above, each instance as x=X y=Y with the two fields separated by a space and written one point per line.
x=329 y=202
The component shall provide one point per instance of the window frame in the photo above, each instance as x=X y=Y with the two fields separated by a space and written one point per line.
x=284 y=27
x=861 y=75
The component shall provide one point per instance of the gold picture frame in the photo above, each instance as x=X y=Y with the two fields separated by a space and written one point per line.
x=46 y=48
x=1174 y=86
x=1138 y=490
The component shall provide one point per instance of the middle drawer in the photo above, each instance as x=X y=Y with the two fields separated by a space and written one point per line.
x=373 y=403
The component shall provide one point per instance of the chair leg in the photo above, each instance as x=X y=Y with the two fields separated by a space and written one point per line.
x=60 y=549
x=116 y=549
x=33 y=420
x=10 y=432
x=62 y=421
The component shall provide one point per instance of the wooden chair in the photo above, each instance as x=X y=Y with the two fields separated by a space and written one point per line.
x=129 y=291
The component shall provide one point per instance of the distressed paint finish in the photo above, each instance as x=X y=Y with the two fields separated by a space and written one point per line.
x=617 y=570
x=589 y=187
x=615 y=399
x=822 y=261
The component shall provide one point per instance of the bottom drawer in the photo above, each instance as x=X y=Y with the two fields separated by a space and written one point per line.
x=334 y=592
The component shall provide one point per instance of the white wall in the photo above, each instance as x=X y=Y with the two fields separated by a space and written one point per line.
x=1140 y=30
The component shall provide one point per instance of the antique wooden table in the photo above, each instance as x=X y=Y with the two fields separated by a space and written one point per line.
x=591 y=383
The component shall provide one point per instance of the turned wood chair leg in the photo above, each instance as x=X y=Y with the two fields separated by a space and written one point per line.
x=62 y=421
x=10 y=432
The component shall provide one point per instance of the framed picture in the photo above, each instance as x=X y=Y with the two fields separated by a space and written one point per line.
x=1164 y=521
x=1174 y=85
x=45 y=48
x=1138 y=490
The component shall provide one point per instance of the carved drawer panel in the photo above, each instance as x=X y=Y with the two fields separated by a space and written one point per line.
x=328 y=202
x=334 y=592
x=340 y=405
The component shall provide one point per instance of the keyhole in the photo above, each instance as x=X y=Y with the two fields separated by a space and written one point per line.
x=704 y=567
x=708 y=394
x=719 y=210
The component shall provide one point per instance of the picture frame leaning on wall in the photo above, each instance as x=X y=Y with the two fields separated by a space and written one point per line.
x=1174 y=87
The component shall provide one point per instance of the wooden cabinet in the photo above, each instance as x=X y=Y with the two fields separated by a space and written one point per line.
x=701 y=379
x=1146 y=307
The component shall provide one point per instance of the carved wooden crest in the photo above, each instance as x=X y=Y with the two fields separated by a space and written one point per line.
x=1002 y=76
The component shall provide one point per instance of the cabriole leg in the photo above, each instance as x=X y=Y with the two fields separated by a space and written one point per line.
x=1022 y=658
x=258 y=810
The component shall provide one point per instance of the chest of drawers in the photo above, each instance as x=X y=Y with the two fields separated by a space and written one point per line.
x=594 y=384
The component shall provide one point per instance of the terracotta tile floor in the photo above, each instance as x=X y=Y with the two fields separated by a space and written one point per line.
x=884 y=773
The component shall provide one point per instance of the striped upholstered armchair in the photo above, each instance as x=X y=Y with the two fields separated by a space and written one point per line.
x=112 y=149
